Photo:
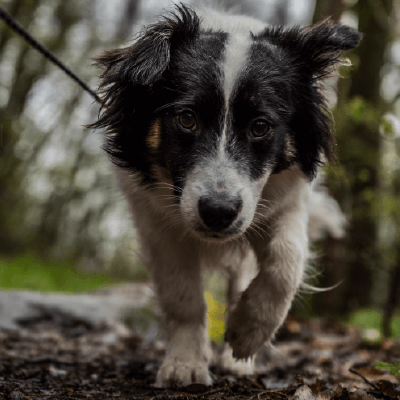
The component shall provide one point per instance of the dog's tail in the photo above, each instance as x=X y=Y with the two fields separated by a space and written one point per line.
x=326 y=217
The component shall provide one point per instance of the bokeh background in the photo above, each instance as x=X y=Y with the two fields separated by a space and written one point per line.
x=63 y=222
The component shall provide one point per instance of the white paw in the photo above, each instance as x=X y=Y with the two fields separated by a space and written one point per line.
x=245 y=341
x=182 y=373
x=238 y=367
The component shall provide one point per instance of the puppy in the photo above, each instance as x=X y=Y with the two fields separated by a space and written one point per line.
x=216 y=125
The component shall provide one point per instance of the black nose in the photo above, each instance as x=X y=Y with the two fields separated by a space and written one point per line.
x=218 y=214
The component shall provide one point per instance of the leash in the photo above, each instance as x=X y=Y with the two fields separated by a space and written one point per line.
x=15 y=26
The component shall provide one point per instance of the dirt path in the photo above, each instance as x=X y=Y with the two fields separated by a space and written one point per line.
x=56 y=354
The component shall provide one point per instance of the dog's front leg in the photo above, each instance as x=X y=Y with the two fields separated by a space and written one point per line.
x=264 y=305
x=176 y=274
x=240 y=276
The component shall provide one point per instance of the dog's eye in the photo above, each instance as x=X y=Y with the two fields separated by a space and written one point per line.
x=187 y=120
x=260 y=128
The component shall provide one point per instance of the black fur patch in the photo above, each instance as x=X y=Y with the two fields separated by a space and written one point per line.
x=192 y=83
x=262 y=91
x=280 y=84
x=172 y=67
x=303 y=57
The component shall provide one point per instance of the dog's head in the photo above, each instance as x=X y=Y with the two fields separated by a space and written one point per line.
x=215 y=113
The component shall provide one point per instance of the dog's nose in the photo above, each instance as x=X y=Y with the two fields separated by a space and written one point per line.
x=218 y=214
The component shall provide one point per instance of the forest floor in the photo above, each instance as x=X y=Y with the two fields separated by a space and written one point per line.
x=56 y=354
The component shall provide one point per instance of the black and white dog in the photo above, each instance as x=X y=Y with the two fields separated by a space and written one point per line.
x=216 y=125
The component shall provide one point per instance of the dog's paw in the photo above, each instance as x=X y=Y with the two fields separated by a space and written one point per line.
x=246 y=333
x=182 y=373
x=238 y=367
x=245 y=340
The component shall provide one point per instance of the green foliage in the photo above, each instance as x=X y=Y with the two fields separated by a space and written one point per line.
x=387 y=128
x=369 y=320
x=393 y=368
x=357 y=132
x=353 y=180
x=387 y=205
x=32 y=273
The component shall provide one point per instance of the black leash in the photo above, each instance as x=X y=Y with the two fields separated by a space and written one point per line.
x=10 y=21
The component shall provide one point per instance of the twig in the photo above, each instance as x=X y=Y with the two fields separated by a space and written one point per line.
x=268 y=391
x=364 y=379
x=216 y=390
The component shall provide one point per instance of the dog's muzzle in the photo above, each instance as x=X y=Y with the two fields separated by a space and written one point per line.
x=219 y=212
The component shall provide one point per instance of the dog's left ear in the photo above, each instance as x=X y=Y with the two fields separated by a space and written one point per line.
x=311 y=55
x=321 y=46
x=315 y=48
x=145 y=61
x=126 y=83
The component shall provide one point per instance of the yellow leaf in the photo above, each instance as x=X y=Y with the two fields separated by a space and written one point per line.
x=216 y=318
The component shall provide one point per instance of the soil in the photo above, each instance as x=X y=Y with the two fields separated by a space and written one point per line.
x=54 y=354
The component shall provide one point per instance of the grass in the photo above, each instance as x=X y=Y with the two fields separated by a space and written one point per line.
x=29 y=272
x=369 y=322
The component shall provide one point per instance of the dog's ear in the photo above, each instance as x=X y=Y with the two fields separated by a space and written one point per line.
x=321 y=46
x=126 y=84
x=310 y=55
x=331 y=36
x=145 y=61
x=315 y=49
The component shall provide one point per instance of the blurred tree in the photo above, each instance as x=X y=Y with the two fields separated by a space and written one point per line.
x=15 y=90
x=389 y=210
x=332 y=8
x=53 y=187
x=128 y=18
x=355 y=180
x=29 y=67
x=277 y=13
x=359 y=145
x=393 y=298
x=334 y=250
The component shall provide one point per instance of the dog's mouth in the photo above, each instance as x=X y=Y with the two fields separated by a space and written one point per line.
x=221 y=236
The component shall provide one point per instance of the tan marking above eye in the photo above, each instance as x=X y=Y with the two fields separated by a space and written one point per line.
x=290 y=150
x=187 y=119
x=154 y=135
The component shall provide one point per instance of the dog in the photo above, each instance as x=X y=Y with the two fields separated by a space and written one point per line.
x=216 y=125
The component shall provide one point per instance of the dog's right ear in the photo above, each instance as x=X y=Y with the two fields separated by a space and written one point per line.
x=145 y=61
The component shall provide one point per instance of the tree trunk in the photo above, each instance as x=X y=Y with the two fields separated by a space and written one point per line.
x=11 y=195
x=364 y=168
x=13 y=234
x=324 y=9
x=358 y=153
x=334 y=250
x=393 y=300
